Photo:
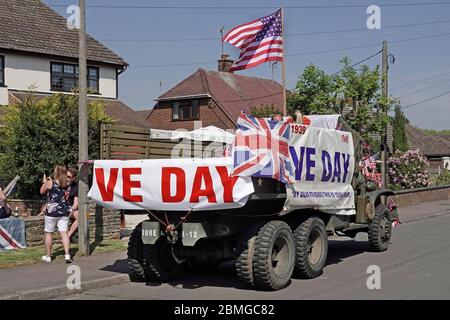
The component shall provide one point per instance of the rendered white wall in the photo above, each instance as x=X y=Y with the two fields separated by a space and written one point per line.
x=23 y=72
x=4 y=99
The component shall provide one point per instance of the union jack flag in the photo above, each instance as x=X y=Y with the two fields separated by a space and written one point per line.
x=368 y=163
x=260 y=149
x=12 y=234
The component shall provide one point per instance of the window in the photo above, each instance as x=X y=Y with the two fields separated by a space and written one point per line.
x=185 y=110
x=64 y=77
x=2 y=71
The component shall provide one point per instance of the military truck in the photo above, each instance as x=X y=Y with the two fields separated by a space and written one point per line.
x=268 y=245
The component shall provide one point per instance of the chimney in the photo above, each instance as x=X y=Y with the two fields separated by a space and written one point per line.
x=225 y=63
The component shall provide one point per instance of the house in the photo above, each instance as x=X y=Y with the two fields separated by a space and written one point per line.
x=214 y=98
x=39 y=53
x=435 y=147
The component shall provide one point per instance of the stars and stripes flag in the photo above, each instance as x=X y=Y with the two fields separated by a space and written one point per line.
x=260 y=41
x=260 y=149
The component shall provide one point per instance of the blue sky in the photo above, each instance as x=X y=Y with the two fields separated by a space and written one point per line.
x=415 y=60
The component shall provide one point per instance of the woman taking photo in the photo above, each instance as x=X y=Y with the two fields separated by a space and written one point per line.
x=58 y=211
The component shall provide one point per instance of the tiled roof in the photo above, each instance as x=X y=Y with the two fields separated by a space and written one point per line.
x=233 y=92
x=143 y=114
x=32 y=26
x=123 y=114
x=430 y=145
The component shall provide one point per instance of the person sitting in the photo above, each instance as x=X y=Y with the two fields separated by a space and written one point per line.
x=5 y=209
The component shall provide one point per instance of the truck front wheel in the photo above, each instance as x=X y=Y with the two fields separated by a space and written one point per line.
x=380 y=229
x=135 y=256
x=311 y=248
x=274 y=256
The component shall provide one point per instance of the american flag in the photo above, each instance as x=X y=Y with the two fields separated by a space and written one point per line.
x=260 y=149
x=259 y=40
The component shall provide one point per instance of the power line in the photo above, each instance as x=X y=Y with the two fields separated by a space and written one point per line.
x=421 y=80
x=426 y=100
x=308 y=52
x=344 y=6
x=287 y=35
x=359 y=62
x=173 y=65
x=423 y=89
x=371 y=45
x=305 y=53
x=254 y=98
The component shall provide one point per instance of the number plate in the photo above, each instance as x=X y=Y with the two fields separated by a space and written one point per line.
x=150 y=232
x=191 y=233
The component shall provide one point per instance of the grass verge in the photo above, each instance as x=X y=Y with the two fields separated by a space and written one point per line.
x=12 y=258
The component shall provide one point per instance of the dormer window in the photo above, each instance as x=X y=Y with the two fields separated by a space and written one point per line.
x=64 y=77
x=185 y=110
x=2 y=71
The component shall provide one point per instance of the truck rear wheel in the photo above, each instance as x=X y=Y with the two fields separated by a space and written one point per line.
x=135 y=256
x=274 y=256
x=311 y=248
x=160 y=262
x=245 y=249
x=380 y=229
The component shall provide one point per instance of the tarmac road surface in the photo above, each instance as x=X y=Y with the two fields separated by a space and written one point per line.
x=416 y=266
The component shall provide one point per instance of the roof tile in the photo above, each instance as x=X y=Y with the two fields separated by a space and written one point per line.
x=32 y=26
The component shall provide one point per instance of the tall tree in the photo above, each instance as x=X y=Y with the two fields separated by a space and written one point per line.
x=399 y=130
x=353 y=92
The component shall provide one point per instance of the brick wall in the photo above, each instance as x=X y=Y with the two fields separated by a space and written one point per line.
x=104 y=224
x=410 y=199
x=26 y=207
x=210 y=115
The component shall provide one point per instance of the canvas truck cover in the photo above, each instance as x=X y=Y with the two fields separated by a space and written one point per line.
x=324 y=164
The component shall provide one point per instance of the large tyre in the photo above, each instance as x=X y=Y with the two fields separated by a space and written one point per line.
x=274 y=256
x=135 y=256
x=380 y=229
x=160 y=263
x=245 y=249
x=311 y=248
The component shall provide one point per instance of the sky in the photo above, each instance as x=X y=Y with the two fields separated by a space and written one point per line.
x=421 y=69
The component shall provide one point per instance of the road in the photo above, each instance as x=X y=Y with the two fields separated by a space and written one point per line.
x=416 y=266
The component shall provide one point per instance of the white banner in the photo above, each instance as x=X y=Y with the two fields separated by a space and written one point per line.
x=169 y=184
x=324 y=164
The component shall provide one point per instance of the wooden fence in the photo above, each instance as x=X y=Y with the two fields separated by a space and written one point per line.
x=127 y=143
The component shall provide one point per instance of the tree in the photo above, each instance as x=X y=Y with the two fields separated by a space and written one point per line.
x=264 y=111
x=354 y=93
x=40 y=134
x=315 y=92
x=399 y=130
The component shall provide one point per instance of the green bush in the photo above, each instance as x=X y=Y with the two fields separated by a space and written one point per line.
x=443 y=178
x=40 y=134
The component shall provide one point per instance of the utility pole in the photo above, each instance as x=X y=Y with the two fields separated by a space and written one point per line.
x=83 y=230
x=384 y=93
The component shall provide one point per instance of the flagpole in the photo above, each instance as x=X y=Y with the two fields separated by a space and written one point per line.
x=283 y=65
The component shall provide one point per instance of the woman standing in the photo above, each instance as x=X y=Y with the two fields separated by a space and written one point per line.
x=58 y=211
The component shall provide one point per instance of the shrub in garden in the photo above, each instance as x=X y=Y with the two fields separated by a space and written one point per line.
x=443 y=178
x=408 y=170
x=40 y=133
